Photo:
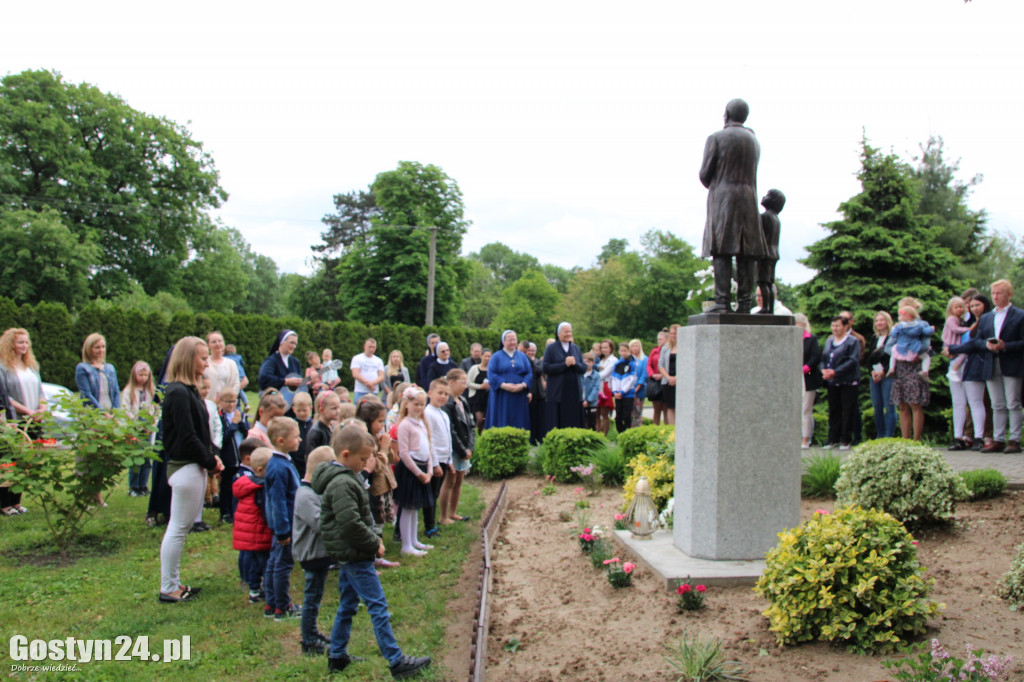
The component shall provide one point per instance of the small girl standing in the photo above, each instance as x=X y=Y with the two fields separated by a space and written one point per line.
x=382 y=481
x=137 y=400
x=413 y=472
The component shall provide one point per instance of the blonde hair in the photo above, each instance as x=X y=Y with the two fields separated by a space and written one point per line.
x=182 y=365
x=1003 y=283
x=911 y=302
x=259 y=458
x=888 y=319
x=348 y=411
x=7 y=355
x=401 y=363
x=911 y=310
x=801 y=321
x=396 y=393
x=323 y=398
x=302 y=398
x=952 y=302
x=318 y=456
x=280 y=427
x=87 y=346
x=270 y=400
x=132 y=388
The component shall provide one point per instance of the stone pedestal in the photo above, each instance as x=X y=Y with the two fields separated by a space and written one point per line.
x=738 y=464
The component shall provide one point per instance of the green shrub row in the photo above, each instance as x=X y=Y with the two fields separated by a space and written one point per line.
x=637 y=441
x=57 y=337
x=567 y=448
x=501 y=452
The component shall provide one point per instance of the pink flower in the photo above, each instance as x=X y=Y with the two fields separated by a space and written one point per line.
x=628 y=567
x=576 y=490
x=702 y=588
x=914 y=543
x=683 y=589
x=620 y=517
x=587 y=537
x=823 y=512
x=610 y=561
x=586 y=530
x=536 y=492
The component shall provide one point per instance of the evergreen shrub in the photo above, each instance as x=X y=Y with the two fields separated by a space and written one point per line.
x=658 y=464
x=984 y=483
x=911 y=481
x=566 y=448
x=851 y=577
x=636 y=441
x=501 y=452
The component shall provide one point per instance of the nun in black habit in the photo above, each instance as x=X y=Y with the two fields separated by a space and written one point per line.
x=563 y=363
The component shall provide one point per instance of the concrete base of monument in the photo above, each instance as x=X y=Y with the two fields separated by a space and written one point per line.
x=671 y=565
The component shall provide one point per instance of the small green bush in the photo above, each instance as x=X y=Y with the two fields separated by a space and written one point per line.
x=851 y=577
x=636 y=441
x=611 y=465
x=501 y=452
x=820 y=475
x=911 y=481
x=1011 y=585
x=984 y=483
x=566 y=448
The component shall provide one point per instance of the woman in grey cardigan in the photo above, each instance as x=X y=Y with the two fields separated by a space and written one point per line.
x=19 y=373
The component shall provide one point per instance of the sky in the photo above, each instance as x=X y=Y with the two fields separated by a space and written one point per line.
x=565 y=124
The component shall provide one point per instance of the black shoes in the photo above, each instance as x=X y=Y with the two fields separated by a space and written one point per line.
x=199 y=527
x=336 y=665
x=409 y=665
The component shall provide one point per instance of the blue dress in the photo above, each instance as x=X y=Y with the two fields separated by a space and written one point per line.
x=504 y=408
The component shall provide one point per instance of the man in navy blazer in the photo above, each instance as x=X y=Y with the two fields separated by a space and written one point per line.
x=1000 y=344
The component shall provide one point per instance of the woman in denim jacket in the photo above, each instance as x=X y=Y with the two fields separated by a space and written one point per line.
x=97 y=378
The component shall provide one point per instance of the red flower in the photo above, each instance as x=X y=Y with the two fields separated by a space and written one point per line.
x=683 y=589
x=701 y=588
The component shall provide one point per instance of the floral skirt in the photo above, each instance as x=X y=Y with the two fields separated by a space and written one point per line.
x=908 y=386
x=383 y=508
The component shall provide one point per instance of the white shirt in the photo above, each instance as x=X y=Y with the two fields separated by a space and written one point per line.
x=998 y=318
x=216 y=430
x=370 y=367
x=440 y=434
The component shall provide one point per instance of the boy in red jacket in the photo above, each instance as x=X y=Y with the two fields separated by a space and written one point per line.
x=251 y=535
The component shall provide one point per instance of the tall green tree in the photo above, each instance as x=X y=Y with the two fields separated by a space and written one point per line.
x=216 y=277
x=385 y=277
x=136 y=184
x=41 y=260
x=507 y=266
x=350 y=224
x=880 y=251
x=529 y=305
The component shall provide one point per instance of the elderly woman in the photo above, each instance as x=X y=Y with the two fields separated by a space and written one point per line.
x=510 y=375
x=563 y=365
x=97 y=378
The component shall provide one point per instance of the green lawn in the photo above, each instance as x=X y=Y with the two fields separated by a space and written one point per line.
x=111 y=589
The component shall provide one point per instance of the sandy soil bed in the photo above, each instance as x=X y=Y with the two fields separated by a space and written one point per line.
x=571 y=624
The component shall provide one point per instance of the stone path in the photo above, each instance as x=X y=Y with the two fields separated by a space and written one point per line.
x=1011 y=466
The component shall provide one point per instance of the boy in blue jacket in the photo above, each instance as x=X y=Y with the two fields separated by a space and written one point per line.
x=623 y=385
x=591 y=388
x=282 y=481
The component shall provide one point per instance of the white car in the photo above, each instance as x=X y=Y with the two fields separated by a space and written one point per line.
x=53 y=392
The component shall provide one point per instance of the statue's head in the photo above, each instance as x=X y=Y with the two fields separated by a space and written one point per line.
x=774 y=200
x=736 y=111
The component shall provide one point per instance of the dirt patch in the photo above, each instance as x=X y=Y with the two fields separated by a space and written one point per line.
x=564 y=621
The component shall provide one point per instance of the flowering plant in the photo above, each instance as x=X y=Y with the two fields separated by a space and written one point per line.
x=550 y=488
x=937 y=664
x=619 y=574
x=620 y=522
x=690 y=597
x=592 y=479
x=587 y=539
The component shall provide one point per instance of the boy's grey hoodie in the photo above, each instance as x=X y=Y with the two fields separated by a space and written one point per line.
x=307 y=543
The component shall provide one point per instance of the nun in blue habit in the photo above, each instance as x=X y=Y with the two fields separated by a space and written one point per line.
x=563 y=364
x=510 y=375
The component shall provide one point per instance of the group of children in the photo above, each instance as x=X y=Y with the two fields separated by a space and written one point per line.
x=318 y=488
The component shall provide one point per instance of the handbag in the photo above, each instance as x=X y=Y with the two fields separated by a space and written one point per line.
x=653 y=389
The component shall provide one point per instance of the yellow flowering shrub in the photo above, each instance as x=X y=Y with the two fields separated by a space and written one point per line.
x=850 y=577
x=658 y=464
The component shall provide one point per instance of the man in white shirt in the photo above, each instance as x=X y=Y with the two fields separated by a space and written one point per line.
x=367 y=370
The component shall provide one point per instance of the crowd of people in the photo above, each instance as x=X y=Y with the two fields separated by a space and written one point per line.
x=983 y=339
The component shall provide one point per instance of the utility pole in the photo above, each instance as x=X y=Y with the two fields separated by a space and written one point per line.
x=430 y=276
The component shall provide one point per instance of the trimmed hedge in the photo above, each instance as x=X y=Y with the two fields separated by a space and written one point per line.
x=634 y=442
x=501 y=452
x=567 y=448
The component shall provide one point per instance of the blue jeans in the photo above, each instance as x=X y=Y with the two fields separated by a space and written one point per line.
x=358 y=580
x=137 y=480
x=251 y=566
x=885 y=411
x=279 y=571
x=312 y=596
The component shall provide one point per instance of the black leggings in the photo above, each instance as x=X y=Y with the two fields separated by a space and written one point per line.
x=623 y=414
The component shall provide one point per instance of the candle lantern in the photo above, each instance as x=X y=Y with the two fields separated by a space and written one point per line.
x=642 y=515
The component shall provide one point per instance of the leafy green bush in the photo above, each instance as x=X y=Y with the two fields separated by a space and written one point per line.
x=820 y=475
x=911 y=481
x=611 y=465
x=566 y=448
x=659 y=466
x=636 y=441
x=984 y=483
x=1011 y=585
x=501 y=452
x=66 y=481
x=849 y=577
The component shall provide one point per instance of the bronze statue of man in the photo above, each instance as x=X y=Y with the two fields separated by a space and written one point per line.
x=733 y=226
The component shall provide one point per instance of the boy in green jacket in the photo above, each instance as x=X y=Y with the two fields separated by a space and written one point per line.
x=346 y=527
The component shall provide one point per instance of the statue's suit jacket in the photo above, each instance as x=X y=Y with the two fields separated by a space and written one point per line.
x=729 y=171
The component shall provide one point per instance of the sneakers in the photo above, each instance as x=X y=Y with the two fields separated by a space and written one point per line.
x=315 y=648
x=293 y=611
x=423 y=548
x=432 y=532
x=409 y=665
x=828 y=446
x=256 y=596
x=268 y=611
x=199 y=527
x=227 y=518
x=844 y=446
x=336 y=665
x=414 y=552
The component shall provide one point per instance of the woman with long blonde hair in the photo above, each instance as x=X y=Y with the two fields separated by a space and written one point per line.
x=19 y=373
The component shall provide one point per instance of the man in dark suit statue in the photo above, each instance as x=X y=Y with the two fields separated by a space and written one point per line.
x=733 y=226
